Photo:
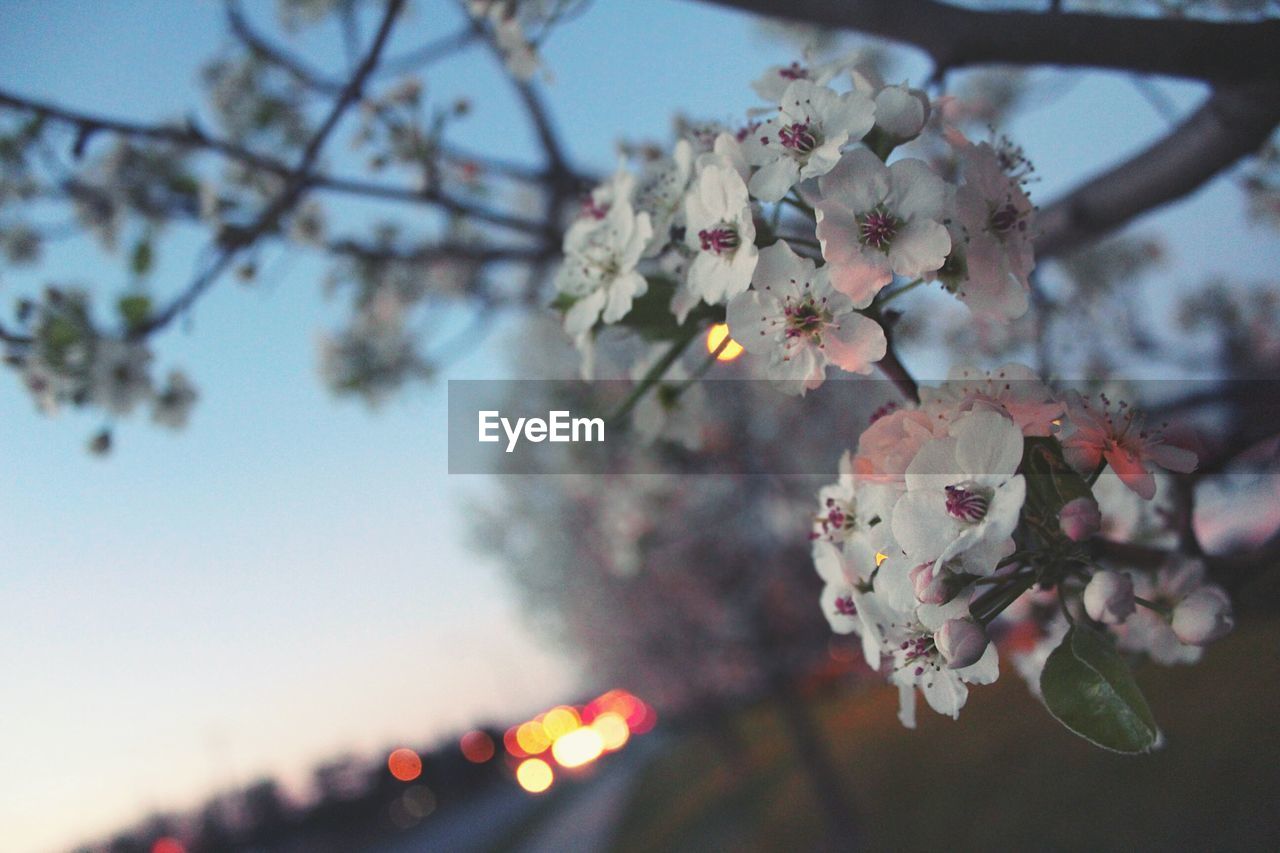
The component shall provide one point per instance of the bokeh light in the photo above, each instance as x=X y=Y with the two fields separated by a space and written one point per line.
x=578 y=747
x=418 y=801
x=534 y=775
x=559 y=721
x=404 y=764
x=168 y=844
x=477 y=746
x=532 y=737
x=715 y=336
x=613 y=730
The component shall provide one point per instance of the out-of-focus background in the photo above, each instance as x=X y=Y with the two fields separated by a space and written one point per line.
x=219 y=638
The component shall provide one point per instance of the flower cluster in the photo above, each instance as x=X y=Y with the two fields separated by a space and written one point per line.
x=792 y=226
x=70 y=361
x=952 y=515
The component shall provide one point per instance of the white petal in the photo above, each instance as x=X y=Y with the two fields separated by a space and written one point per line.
x=584 y=313
x=855 y=344
x=987 y=443
x=775 y=179
x=920 y=247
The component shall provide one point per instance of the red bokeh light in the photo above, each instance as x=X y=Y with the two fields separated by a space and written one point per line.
x=404 y=764
x=168 y=845
x=477 y=746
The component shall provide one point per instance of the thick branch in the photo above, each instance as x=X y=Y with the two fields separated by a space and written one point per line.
x=955 y=37
x=1234 y=122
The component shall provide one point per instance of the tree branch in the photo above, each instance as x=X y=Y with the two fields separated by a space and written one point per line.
x=299 y=180
x=1234 y=122
x=955 y=37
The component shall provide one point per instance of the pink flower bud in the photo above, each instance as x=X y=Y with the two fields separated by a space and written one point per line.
x=1080 y=519
x=931 y=587
x=1203 y=616
x=961 y=642
x=1109 y=597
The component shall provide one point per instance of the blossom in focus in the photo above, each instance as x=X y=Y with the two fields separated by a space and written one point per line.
x=805 y=139
x=720 y=231
x=901 y=112
x=771 y=85
x=847 y=599
x=992 y=234
x=851 y=507
x=919 y=665
x=1121 y=438
x=877 y=221
x=963 y=492
x=660 y=191
x=1013 y=389
x=888 y=445
x=792 y=317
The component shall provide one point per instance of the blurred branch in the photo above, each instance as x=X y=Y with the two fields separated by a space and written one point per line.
x=233 y=241
x=564 y=181
x=1234 y=122
x=260 y=46
x=444 y=251
x=190 y=135
x=955 y=37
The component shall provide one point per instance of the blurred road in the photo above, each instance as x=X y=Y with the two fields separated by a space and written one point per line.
x=577 y=815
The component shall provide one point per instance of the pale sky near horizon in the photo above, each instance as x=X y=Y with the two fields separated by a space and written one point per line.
x=291 y=577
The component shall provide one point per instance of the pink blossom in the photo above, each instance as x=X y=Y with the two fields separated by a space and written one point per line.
x=1120 y=437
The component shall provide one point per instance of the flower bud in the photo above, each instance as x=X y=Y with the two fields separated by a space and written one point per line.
x=1080 y=519
x=931 y=587
x=1109 y=597
x=961 y=642
x=1203 y=616
x=902 y=112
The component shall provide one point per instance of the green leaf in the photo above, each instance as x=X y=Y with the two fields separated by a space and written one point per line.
x=563 y=302
x=1051 y=482
x=134 y=310
x=1088 y=688
x=141 y=258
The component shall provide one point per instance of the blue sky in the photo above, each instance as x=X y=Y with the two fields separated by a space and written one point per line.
x=290 y=578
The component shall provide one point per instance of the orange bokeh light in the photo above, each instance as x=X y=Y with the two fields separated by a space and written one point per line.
x=716 y=336
x=532 y=738
x=404 y=764
x=559 y=721
x=477 y=746
x=534 y=775
x=578 y=747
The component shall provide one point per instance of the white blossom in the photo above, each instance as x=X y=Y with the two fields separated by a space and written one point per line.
x=792 y=317
x=805 y=139
x=877 y=221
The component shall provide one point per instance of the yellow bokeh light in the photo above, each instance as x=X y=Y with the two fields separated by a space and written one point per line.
x=715 y=336
x=559 y=721
x=578 y=747
x=613 y=730
x=534 y=775
x=532 y=737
